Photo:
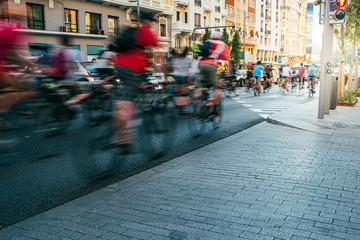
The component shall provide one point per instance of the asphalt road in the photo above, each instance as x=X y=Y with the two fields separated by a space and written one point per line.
x=46 y=172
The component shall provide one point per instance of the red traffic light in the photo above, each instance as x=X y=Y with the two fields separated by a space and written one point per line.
x=340 y=3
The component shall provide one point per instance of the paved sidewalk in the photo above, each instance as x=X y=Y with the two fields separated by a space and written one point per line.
x=267 y=182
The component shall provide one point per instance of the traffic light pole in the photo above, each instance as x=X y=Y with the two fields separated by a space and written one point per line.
x=329 y=57
x=324 y=59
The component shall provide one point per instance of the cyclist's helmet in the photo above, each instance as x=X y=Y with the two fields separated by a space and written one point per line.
x=216 y=35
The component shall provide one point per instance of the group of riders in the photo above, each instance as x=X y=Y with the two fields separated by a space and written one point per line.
x=128 y=61
x=289 y=79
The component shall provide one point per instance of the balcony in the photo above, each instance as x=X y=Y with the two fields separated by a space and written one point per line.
x=208 y=6
x=182 y=27
x=282 y=7
x=182 y=2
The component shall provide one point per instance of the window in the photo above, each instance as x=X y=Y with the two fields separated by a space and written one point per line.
x=237 y=14
x=282 y=37
x=217 y=22
x=197 y=20
x=35 y=16
x=112 y=26
x=251 y=3
x=198 y=3
x=186 y=17
x=71 y=20
x=93 y=23
x=205 y=21
x=177 y=42
x=162 y=30
x=231 y=12
x=177 y=16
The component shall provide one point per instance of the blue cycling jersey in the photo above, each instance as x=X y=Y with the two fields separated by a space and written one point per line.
x=257 y=70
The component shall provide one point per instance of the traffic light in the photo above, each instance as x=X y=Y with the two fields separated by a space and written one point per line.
x=340 y=13
x=340 y=3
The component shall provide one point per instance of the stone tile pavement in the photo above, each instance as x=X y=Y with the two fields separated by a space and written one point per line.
x=267 y=182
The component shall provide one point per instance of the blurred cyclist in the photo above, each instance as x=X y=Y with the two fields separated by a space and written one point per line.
x=258 y=70
x=131 y=63
x=312 y=71
x=212 y=50
x=10 y=46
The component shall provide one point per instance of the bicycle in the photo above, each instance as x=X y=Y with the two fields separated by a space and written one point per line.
x=204 y=111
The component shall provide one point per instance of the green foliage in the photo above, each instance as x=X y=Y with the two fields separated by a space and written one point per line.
x=356 y=91
x=348 y=97
x=225 y=37
x=337 y=56
x=236 y=48
x=206 y=35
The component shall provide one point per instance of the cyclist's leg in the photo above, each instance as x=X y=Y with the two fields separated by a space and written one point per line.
x=124 y=107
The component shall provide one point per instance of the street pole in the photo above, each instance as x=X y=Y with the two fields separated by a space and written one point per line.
x=138 y=12
x=244 y=41
x=324 y=58
x=356 y=72
x=329 y=79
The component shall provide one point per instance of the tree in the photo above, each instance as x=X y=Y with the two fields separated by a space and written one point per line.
x=236 y=48
x=206 y=35
x=225 y=37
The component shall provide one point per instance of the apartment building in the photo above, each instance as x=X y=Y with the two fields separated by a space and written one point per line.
x=293 y=30
x=90 y=23
x=189 y=14
x=267 y=26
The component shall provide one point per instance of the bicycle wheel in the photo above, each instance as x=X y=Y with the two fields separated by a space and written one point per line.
x=98 y=108
x=52 y=119
x=101 y=160
x=154 y=132
x=196 y=122
x=216 y=119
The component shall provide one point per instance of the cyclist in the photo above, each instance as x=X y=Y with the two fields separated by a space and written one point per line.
x=312 y=71
x=131 y=64
x=268 y=73
x=301 y=76
x=286 y=72
x=294 y=76
x=258 y=69
x=212 y=50
x=249 y=76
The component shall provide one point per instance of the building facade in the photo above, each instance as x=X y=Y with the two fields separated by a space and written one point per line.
x=293 y=31
x=189 y=14
x=267 y=27
x=91 y=23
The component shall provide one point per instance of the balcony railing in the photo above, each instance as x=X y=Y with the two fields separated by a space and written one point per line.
x=285 y=7
x=180 y=26
x=35 y=23
x=92 y=29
